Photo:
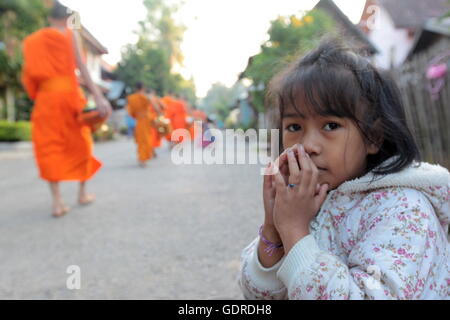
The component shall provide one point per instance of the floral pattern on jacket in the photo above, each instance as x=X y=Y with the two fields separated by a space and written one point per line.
x=383 y=241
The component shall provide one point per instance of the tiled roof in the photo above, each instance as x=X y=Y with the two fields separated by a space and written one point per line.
x=414 y=13
x=93 y=41
x=350 y=29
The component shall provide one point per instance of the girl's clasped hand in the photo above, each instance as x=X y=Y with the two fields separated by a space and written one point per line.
x=292 y=195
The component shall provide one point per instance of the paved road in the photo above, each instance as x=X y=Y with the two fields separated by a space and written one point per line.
x=164 y=232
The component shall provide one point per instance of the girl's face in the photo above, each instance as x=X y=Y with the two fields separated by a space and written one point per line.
x=334 y=144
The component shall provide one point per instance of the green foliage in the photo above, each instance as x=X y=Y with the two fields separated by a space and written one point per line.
x=18 y=18
x=289 y=37
x=23 y=106
x=152 y=58
x=160 y=25
x=220 y=99
x=15 y=131
x=185 y=87
x=147 y=63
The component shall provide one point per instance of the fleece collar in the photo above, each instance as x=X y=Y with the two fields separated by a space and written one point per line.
x=431 y=179
x=417 y=175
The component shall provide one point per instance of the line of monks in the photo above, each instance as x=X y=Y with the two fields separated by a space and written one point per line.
x=63 y=145
x=150 y=111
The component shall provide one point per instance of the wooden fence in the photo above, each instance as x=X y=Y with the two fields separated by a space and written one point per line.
x=429 y=119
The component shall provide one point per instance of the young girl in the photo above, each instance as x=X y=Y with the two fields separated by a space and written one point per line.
x=351 y=213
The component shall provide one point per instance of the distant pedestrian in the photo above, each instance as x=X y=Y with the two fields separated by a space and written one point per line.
x=140 y=108
x=175 y=111
x=131 y=125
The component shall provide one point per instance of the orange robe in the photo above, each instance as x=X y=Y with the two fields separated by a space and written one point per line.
x=156 y=137
x=63 y=147
x=199 y=115
x=139 y=107
x=176 y=113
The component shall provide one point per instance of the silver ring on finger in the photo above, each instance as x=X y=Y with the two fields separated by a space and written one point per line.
x=292 y=185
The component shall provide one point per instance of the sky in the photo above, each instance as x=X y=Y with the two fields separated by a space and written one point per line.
x=221 y=34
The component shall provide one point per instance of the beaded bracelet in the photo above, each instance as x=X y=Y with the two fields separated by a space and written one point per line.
x=271 y=247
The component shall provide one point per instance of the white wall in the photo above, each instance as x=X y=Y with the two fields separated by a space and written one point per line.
x=94 y=66
x=393 y=44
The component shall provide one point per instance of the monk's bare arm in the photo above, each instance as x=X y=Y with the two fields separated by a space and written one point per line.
x=162 y=106
x=93 y=88
x=156 y=105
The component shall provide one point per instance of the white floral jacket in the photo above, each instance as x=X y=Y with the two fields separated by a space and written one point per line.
x=386 y=240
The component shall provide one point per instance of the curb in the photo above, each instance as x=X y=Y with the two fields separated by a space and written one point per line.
x=15 y=146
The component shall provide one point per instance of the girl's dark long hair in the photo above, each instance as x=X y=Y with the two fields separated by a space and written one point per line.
x=334 y=80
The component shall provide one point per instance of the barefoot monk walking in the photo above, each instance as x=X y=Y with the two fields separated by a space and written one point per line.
x=62 y=144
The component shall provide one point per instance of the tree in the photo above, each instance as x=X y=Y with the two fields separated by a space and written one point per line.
x=184 y=87
x=161 y=26
x=147 y=63
x=289 y=37
x=18 y=18
x=220 y=99
x=152 y=59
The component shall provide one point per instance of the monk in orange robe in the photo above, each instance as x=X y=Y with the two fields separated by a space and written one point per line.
x=156 y=111
x=176 y=113
x=62 y=145
x=165 y=101
x=189 y=118
x=141 y=109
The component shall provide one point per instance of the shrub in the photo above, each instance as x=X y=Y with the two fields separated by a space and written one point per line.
x=15 y=131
